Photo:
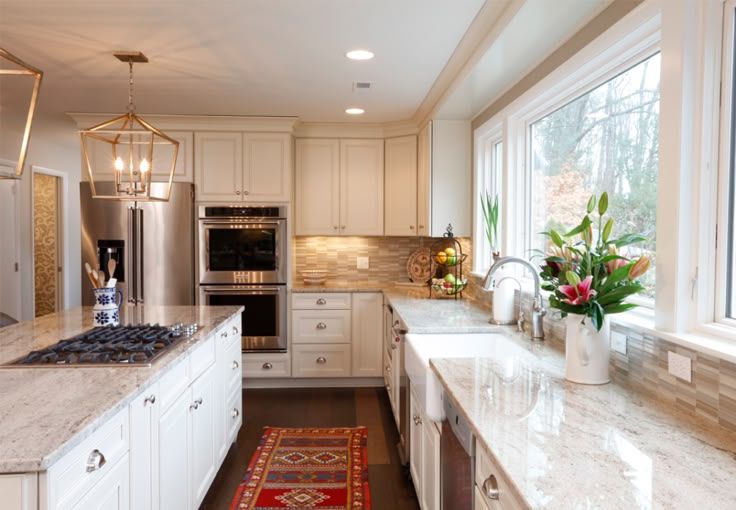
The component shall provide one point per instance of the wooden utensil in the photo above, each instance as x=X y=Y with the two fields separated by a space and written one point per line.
x=101 y=277
x=111 y=266
x=92 y=275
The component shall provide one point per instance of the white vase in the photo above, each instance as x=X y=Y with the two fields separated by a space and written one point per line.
x=587 y=351
x=503 y=298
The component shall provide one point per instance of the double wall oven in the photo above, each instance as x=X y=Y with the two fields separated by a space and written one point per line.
x=242 y=261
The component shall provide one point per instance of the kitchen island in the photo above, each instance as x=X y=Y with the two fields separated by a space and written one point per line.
x=48 y=414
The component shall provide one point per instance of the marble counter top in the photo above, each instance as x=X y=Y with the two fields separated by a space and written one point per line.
x=566 y=445
x=44 y=412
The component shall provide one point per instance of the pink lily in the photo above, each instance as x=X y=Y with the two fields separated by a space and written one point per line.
x=614 y=264
x=580 y=293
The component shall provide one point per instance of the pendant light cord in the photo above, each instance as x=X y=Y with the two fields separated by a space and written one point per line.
x=131 y=106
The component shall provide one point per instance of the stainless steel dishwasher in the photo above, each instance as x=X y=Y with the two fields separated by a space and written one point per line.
x=457 y=459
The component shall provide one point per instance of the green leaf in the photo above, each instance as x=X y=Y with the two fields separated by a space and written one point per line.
x=619 y=307
x=597 y=316
x=627 y=239
x=618 y=294
x=591 y=204
x=607 y=229
x=615 y=277
x=602 y=204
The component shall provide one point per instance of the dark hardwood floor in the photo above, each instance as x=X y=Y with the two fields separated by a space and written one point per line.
x=391 y=488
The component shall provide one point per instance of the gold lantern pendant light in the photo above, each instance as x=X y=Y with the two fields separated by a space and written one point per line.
x=122 y=150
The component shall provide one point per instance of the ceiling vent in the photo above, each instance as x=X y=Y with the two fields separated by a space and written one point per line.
x=362 y=86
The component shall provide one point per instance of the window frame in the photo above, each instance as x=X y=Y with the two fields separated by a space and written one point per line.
x=487 y=177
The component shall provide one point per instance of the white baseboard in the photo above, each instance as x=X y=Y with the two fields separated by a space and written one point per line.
x=326 y=382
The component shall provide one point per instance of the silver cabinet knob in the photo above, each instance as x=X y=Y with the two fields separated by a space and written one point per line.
x=411 y=227
x=421 y=226
x=342 y=227
x=223 y=334
x=321 y=325
x=235 y=412
x=388 y=369
x=235 y=330
x=95 y=461
x=417 y=419
x=246 y=192
x=394 y=346
x=267 y=366
x=196 y=404
x=321 y=360
x=388 y=388
x=236 y=365
x=490 y=487
x=321 y=301
x=150 y=400
x=335 y=227
x=237 y=192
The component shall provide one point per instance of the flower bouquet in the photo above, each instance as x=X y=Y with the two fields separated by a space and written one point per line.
x=589 y=278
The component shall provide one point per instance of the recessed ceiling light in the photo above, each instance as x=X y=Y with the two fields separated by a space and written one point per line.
x=360 y=55
x=355 y=111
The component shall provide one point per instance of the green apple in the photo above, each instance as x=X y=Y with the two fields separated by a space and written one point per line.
x=449 y=277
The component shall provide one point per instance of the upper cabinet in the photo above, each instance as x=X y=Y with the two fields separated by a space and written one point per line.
x=400 y=207
x=235 y=166
x=339 y=187
x=444 y=178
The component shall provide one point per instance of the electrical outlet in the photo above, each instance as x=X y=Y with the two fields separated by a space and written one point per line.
x=680 y=366
x=363 y=263
x=618 y=342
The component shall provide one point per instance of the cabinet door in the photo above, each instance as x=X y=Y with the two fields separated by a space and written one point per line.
x=415 y=445
x=317 y=200
x=111 y=492
x=361 y=187
x=202 y=415
x=144 y=449
x=430 y=466
x=163 y=154
x=424 y=166
x=267 y=167
x=219 y=166
x=367 y=322
x=451 y=169
x=174 y=455
x=19 y=491
x=400 y=206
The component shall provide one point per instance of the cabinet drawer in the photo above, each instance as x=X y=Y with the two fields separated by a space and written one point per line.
x=173 y=384
x=486 y=469
x=233 y=368
x=229 y=334
x=79 y=470
x=233 y=416
x=315 y=360
x=202 y=357
x=265 y=365
x=320 y=301
x=321 y=326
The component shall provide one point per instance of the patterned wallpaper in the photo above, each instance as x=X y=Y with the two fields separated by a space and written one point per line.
x=44 y=242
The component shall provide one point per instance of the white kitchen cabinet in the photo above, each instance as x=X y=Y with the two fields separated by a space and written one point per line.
x=174 y=455
x=111 y=492
x=250 y=167
x=19 y=491
x=321 y=360
x=229 y=384
x=144 y=448
x=424 y=456
x=492 y=487
x=321 y=326
x=163 y=154
x=203 y=417
x=444 y=178
x=366 y=324
x=267 y=365
x=400 y=205
x=339 y=187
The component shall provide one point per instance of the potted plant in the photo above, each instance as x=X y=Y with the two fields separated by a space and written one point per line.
x=589 y=280
x=503 y=293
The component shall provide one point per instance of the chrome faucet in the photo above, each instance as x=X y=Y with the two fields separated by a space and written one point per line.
x=538 y=310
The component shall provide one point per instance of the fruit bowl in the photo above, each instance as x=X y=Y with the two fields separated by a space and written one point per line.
x=445 y=288
x=448 y=260
x=314 y=276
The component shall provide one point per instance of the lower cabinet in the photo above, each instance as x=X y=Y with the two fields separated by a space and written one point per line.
x=111 y=492
x=493 y=491
x=424 y=456
x=257 y=365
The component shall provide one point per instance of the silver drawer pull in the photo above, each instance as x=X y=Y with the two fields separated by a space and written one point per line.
x=321 y=325
x=235 y=330
x=321 y=360
x=394 y=346
x=95 y=461
x=237 y=192
x=490 y=487
x=321 y=301
x=236 y=365
x=267 y=366
x=235 y=412
x=223 y=334
x=196 y=404
x=388 y=388
x=388 y=369
x=150 y=400
x=417 y=419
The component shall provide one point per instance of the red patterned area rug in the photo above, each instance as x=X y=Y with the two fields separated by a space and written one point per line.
x=325 y=469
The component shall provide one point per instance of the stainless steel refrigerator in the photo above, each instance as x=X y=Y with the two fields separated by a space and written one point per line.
x=152 y=243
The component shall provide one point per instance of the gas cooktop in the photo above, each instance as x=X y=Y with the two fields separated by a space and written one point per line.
x=129 y=345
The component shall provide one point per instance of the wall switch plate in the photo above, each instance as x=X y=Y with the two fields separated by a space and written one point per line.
x=680 y=366
x=363 y=262
x=618 y=342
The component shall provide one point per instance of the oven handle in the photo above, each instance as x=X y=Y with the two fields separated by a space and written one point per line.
x=238 y=223
x=243 y=289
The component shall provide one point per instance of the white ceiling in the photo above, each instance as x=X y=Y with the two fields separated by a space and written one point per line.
x=238 y=57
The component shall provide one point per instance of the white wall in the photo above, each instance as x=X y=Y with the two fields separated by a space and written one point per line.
x=54 y=145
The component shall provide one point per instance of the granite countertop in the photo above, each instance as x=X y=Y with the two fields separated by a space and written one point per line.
x=45 y=412
x=567 y=445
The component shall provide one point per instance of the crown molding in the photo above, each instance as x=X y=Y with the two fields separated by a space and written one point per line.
x=198 y=122
x=348 y=130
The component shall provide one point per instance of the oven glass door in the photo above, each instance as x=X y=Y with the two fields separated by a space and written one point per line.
x=236 y=252
x=263 y=317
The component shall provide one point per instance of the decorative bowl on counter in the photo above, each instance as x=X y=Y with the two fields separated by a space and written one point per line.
x=445 y=288
x=444 y=258
x=314 y=276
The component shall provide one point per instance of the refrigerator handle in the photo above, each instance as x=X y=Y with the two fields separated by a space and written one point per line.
x=133 y=251
x=140 y=257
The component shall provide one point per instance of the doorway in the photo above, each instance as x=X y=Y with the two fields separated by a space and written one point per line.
x=10 y=302
x=47 y=243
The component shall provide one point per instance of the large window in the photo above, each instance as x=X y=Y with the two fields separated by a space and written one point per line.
x=604 y=140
